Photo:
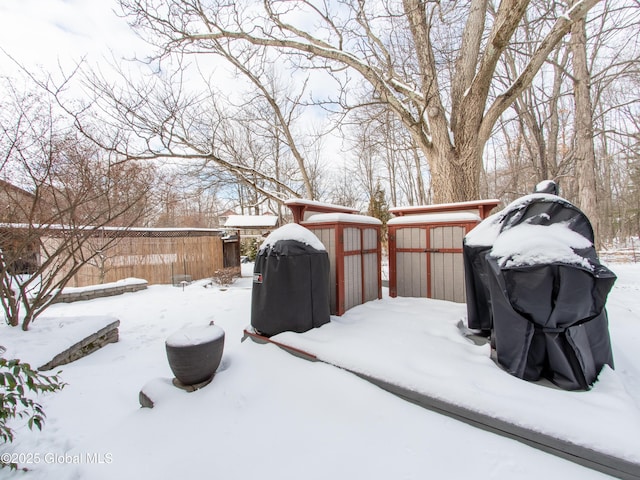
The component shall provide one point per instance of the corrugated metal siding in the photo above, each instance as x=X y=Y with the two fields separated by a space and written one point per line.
x=412 y=274
x=447 y=269
x=370 y=262
x=328 y=238
x=411 y=238
x=352 y=267
x=352 y=281
x=359 y=260
x=351 y=239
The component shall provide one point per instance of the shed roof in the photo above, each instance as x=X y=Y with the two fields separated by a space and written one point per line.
x=251 y=221
x=426 y=218
x=482 y=207
x=341 y=218
x=300 y=207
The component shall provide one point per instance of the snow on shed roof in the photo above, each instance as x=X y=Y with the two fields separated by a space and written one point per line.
x=482 y=206
x=321 y=206
x=453 y=217
x=342 y=218
x=247 y=221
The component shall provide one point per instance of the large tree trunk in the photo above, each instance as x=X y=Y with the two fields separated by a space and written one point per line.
x=455 y=175
x=584 y=150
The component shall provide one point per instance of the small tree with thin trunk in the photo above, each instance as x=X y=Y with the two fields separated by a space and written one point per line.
x=63 y=190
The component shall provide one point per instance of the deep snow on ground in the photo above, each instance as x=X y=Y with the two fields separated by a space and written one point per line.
x=268 y=414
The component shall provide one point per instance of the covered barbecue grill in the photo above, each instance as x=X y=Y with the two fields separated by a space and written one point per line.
x=290 y=283
x=535 y=284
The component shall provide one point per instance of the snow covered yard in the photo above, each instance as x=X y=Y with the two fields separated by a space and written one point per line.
x=268 y=414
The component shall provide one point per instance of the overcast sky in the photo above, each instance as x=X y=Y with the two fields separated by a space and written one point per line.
x=47 y=32
x=42 y=34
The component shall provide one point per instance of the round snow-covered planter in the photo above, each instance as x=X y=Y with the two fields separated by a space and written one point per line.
x=194 y=353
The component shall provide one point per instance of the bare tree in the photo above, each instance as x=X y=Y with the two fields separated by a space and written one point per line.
x=394 y=48
x=383 y=151
x=63 y=190
x=282 y=105
x=584 y=151
x=573 y=123
x=344 y=191
x=162 y=119
x=536 y=131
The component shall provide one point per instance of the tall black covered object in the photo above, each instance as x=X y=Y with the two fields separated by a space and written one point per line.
x=546 y=318
x=290 y=288
x=549 y=321
x=536 y=209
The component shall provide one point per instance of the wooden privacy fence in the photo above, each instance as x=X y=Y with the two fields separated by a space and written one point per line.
x=160 y=256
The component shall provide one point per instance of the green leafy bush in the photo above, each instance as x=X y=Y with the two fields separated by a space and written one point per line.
x=249 y=248
x=16 y=381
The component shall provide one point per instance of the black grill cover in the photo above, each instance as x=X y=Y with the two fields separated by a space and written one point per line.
x=546 y=320
x=537 y=209
x=290 y=288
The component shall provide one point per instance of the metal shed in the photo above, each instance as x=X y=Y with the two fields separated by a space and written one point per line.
x=425 y=248
x=353 y=244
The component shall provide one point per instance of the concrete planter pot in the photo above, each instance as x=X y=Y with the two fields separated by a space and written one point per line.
x=194 y=353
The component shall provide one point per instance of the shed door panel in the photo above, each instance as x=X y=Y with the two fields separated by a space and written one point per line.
x=353 y=281
x=411 y=274
x=447 y=268
x=411 y=266
x=351 y=238
x=370 y=263
x=352 y=267
x=411 y=238
x=327 y=236
x=370 y=239
x=429 y=262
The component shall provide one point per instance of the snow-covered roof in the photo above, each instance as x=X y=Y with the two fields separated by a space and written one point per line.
x=426 y=218
x=248 y=221
x=312 y=203
x=341 y=218
x=293 y=231
x=444 y=207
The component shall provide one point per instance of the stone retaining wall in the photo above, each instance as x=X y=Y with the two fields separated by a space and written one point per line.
x=107 y=290
x=104 y=336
